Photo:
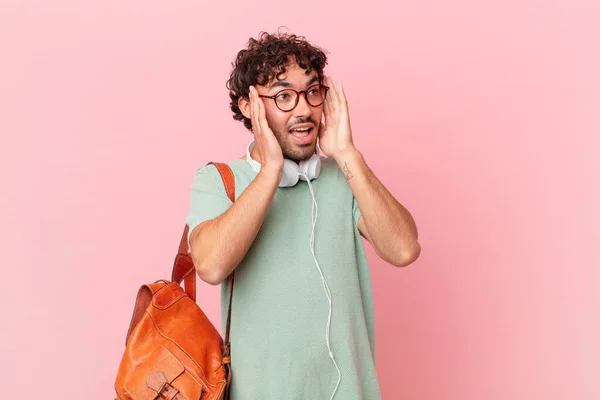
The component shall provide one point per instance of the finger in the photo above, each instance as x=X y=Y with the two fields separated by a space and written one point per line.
x=343 y=100
x=251 y=100
x=327 y=108
x=322 y=129
x=262 y=117
x=342 y=95
x=334 y=95
x=254 y=112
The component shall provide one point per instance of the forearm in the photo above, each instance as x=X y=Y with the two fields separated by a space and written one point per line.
x=220 y=244
x=391 y=228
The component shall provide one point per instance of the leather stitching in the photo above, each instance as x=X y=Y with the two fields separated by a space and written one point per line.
x=175 y=300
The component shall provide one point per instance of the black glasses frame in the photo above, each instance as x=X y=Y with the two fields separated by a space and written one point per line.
x=298 y=93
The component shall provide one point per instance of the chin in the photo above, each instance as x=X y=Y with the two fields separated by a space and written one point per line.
x=300 y=153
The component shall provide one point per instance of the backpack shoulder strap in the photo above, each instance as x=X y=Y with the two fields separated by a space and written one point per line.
x=229 y=182
x=183 y=269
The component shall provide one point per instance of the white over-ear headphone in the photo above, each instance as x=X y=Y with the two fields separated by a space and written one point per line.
x=292 y=172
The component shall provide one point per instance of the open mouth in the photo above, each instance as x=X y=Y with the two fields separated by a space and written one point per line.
x=301 y=132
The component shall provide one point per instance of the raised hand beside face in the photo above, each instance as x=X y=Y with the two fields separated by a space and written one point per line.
x=335 y=136
x=267 y=147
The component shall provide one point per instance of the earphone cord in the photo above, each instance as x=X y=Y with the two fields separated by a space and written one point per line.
x=315 y=211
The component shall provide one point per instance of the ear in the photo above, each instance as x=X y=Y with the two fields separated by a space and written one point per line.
x=244 y=105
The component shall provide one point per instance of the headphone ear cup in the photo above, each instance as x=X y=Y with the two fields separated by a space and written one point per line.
x=289 y=174
x=311 y=167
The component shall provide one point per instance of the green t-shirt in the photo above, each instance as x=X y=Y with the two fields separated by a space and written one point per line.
x=280 y=308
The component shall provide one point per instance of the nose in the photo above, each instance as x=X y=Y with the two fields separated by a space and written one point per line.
x=303 y=108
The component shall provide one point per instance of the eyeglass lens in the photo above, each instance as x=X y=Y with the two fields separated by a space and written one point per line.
x=286 y=99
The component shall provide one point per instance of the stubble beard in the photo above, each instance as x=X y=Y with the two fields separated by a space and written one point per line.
x=294 y=152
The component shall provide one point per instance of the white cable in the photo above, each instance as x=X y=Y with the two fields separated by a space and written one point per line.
x=315 y=211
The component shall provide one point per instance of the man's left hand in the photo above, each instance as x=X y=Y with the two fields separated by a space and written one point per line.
x=335 y=135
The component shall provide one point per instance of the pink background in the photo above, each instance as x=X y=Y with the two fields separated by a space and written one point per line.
x=482 y=117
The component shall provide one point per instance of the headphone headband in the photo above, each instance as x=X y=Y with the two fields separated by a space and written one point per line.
x=292 y=172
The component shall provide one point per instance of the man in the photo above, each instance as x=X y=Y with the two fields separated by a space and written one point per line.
x=302 y=324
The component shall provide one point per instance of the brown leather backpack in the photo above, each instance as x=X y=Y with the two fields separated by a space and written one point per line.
x=172 y=350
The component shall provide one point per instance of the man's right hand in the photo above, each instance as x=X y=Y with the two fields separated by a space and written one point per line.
x=267 y=147
x=219 y=245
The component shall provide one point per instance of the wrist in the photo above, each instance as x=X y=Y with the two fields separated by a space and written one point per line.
x=348 y=154
x=270 y=174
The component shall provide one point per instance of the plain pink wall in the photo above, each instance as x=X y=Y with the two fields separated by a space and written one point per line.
x=482 y=117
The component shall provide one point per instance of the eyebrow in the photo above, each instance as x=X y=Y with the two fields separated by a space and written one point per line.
x=286 y=84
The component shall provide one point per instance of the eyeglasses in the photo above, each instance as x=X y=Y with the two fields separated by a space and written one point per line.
x=287 y=99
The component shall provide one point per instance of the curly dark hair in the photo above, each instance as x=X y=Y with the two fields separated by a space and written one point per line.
x=266 y=58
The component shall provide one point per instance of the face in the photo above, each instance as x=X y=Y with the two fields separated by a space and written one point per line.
x=289 y=127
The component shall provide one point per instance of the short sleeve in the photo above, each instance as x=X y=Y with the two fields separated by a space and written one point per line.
x=208 y=198
x=355 y=212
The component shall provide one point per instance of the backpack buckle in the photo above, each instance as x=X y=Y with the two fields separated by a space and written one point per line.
x=165 y=386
